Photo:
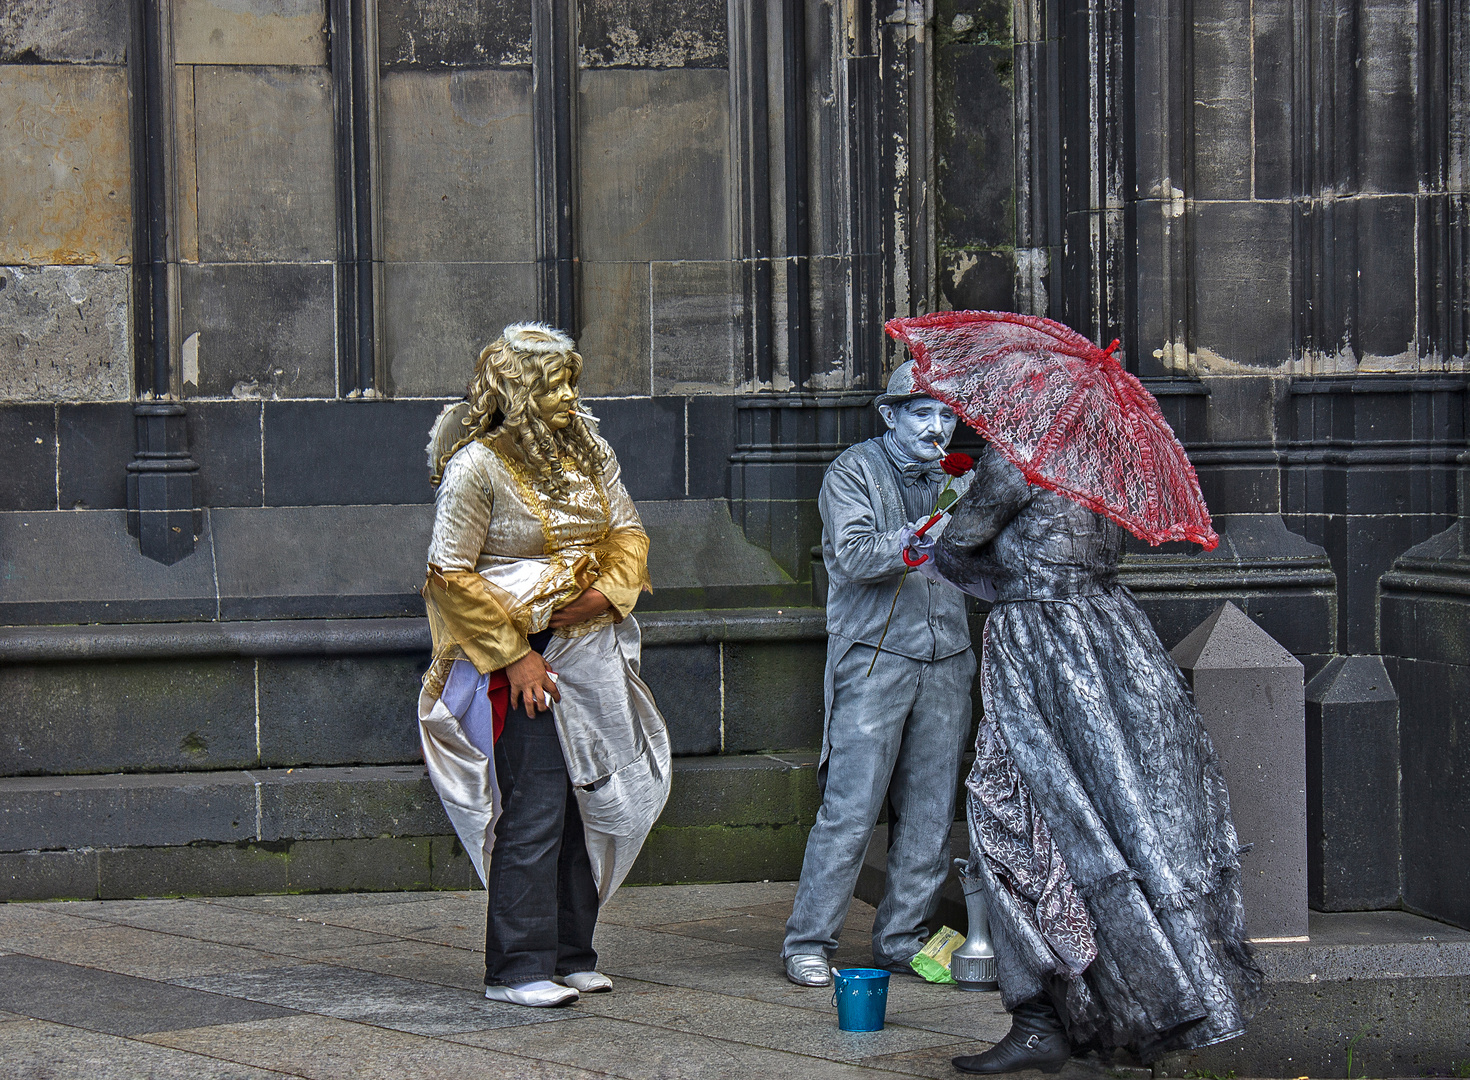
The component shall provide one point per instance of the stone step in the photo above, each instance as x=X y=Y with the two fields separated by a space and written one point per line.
x=732 y=818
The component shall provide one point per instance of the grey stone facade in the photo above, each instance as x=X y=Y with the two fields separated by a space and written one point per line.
x=301 y=220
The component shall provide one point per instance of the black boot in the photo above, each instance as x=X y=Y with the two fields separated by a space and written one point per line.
x=1036 y=1040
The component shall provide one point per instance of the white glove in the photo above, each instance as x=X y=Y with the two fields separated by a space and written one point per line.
x=916 y=546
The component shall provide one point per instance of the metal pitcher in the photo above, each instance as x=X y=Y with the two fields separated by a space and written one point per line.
x=973 y=964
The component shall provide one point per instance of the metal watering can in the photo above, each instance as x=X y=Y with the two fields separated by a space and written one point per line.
x=973 y=964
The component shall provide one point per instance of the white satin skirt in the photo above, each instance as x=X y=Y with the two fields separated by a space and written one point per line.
x=612 y=736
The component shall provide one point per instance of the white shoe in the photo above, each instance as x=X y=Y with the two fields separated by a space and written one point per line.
x=588 y=982
x=808 y=969
x=537 y=995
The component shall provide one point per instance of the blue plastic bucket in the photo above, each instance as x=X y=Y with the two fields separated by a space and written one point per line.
x=861 y=997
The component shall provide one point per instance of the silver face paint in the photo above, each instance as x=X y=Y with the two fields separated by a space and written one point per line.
x=920 y=428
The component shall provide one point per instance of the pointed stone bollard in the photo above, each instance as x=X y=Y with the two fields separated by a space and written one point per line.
x=1249 y=691
x=1352 y=786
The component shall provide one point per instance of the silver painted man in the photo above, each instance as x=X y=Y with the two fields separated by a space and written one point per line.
x=900 y=730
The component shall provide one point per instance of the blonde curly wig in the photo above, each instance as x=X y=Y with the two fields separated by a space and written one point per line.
x=512 y=372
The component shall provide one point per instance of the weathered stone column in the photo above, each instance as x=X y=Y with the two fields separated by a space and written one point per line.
x=1249 y=691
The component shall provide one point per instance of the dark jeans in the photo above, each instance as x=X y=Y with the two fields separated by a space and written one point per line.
x=540 y=854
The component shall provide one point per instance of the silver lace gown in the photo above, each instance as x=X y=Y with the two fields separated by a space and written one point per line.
x=1099 y=820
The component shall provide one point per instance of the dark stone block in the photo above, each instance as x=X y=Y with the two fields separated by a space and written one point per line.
x=450 y=866
x=1245 y=283
x=975 y=145
x=696 y=315
x=1434 y=704
x=454 y=33
x=1387 y=278
x=362 y=865
x=685 y=680
x=150 y=715
x=711 y=441
x=1352 y=786
x=81 y=32
x=264 y=330
x=437 y=317
x=117 y=1004
x=649 y=34
x=616 y=339
x=1221 y=108
x=647 y=434
x=1274 y=68
x=191 y=870
x=50 y=812
x=1250 y=694
x=978 y=280
x=348 y=804
x=347 y=453
x=96 y=442
x=654 y=149
x=81 y=566
x=28 y=432
x=1389 y=111
x=773 y=696
x=321 y=561
x=338 y=710
x=48 y=875
x=224 y=438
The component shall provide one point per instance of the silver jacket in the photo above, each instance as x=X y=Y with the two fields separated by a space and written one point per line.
x=865 y=504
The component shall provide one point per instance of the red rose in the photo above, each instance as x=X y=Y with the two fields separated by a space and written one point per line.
x=957 y=464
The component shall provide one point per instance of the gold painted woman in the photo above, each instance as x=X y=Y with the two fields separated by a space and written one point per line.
x=544 y=744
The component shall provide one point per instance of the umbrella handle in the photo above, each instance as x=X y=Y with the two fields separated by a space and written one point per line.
x=920 y=531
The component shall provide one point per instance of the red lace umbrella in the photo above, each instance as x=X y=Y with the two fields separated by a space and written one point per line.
x=1065 y=412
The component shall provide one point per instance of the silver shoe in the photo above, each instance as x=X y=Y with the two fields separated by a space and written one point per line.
x=587 y=982
x=808 y=969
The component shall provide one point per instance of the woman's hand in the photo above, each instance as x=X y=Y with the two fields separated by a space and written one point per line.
x=531 y=685
x=587 y=606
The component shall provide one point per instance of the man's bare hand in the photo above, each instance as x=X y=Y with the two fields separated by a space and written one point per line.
x=531 y=686
x=587 y=606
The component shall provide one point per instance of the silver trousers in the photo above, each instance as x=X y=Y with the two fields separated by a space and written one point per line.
x=898 y=733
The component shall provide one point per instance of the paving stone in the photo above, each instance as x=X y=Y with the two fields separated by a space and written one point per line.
x=764 y=932
x=80 y=31
x=636 y=1051
x=616 y=336
x=116 y=1004
x=697 y=313
x=64 y=165
x=67 y=331
x=452 y=145
x=653 y=149
x=266 y=171
x=29 y=434
x=324 y=1048
x=454 y=33
x=36 y=1049
x=648 y=34
x=437 y=317
x=284 y=937
x=419 y=961
x=677 y=903
x=263 y=330
x=312 y=903
x=967 y=1014
x=368 y=997
x=279 y=32
x=142 y=953
x=456 y=921
x=759 y=1023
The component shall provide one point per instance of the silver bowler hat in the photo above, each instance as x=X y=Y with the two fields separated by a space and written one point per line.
x=901 y=386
